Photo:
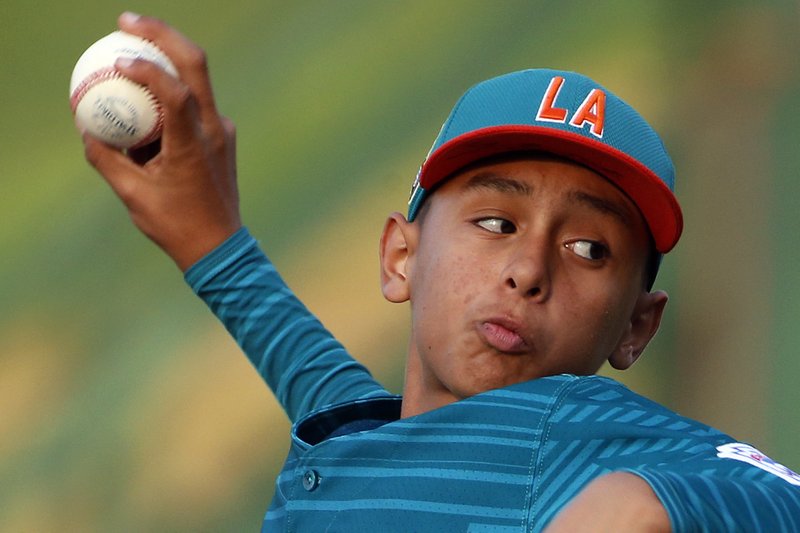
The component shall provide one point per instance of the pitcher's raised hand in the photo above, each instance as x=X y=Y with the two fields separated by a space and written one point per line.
x=180 y=191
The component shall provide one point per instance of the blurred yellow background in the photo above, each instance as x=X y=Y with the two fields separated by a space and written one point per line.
x=123 y=403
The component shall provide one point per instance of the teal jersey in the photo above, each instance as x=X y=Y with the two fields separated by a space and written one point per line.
x=501 y=461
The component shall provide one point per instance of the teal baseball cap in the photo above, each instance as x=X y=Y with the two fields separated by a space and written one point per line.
x=568 y=115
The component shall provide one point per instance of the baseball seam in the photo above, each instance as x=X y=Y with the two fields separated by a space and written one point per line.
x=109 y=73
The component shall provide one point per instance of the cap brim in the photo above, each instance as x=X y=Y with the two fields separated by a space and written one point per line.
x=650 y=194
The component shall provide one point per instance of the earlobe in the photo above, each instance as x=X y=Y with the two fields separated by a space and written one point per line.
x=645 y=320
x=398 y=241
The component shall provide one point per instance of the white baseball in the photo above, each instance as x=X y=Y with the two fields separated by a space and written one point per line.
x=108 y=105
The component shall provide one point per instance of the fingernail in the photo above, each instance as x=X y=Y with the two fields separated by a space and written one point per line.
x=129 y=17
x=123 y=62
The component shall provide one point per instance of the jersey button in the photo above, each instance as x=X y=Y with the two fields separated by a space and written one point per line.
x=310 y=480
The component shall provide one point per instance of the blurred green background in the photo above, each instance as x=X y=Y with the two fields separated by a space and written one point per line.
x=123 y=403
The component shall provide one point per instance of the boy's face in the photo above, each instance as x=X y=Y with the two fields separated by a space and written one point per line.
x=519 y=269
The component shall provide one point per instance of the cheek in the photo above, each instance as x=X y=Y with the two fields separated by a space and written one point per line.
x=599 y=321
x=616 y=322
x=449 y=284
x=465 y=280
x=455 y=278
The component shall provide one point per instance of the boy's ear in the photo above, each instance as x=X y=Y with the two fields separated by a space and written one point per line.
x=645 y=319
x=398 y=242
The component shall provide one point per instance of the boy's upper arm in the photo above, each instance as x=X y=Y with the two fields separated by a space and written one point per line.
x=725 y=500
x=618 y=501
x=692 y=468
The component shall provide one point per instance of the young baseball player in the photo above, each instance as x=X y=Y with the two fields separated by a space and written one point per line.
x=535 y=229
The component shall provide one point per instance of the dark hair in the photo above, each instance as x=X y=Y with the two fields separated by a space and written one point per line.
x=651 y=266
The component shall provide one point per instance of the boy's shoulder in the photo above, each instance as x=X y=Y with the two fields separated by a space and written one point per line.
x=598 y=407
x=608 y=425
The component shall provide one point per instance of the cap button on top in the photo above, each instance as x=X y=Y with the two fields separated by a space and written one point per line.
x=310 y=480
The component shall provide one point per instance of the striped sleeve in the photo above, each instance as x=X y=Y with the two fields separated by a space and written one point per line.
x=705 y=501
x=303 y=364
x=705 y=480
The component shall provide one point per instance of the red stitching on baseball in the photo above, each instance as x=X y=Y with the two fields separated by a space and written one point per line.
x=155 y=131
x=108 y=73
x=90 y=81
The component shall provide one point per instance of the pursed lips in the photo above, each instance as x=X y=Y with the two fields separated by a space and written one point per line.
x=504 y=335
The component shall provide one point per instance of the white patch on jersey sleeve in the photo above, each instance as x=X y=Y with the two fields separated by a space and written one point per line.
x=747 y=454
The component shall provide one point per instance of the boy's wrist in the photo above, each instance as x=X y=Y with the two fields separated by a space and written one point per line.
x=191 y=250
x=207 y=267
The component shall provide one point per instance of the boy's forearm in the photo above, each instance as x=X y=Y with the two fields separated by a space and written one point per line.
x=300 y=360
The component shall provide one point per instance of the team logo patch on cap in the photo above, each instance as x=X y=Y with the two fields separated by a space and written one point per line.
x=747 y=454
x=592 y=111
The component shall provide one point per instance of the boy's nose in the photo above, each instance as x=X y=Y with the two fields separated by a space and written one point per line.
x=528 y=274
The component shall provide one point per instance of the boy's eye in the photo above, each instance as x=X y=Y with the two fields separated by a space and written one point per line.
x=496 y=225
x=588 y=249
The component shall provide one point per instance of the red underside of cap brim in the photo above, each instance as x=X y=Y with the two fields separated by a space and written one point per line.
x=651 y=195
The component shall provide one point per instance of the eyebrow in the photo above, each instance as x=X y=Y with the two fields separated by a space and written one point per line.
x=504 y=184
x=498 y=183
x=601 y=204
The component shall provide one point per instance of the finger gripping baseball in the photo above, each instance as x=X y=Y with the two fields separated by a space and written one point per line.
x=196 y=58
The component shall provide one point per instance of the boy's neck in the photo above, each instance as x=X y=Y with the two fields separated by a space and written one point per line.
x=418 y=396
